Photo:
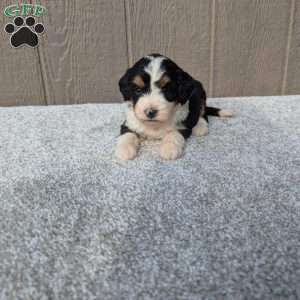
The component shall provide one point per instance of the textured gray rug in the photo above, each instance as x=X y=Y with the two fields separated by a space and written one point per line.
x=223 y=222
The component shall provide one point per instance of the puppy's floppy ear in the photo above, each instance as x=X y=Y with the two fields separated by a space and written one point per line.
x=192 y=91
x=185 y=84
x=124 y=86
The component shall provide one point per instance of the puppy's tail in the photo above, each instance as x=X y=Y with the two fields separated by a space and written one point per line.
x=218 y=112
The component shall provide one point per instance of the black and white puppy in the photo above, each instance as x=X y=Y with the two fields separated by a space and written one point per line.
x=159 y=92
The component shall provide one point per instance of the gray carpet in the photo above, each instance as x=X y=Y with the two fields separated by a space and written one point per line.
x=223 y=222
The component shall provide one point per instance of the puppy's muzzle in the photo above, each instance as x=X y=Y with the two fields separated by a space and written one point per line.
x=151 y=113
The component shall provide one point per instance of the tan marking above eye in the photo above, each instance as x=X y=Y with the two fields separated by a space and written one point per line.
x=163 y=80
x=137 y=80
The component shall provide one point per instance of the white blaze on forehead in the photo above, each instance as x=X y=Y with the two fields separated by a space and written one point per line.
x=155 y=70
x=155 y=99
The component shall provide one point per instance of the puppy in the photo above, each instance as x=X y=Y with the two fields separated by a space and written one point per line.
x=165 y=103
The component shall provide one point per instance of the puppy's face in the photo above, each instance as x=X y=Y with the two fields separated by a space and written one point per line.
x=151 y=86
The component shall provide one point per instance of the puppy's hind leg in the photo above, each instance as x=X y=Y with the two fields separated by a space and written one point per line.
x=201 y=127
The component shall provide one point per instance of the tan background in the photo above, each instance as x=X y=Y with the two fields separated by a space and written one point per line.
x=235 y=47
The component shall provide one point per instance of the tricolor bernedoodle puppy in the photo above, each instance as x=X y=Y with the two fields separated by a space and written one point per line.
x=166 y=103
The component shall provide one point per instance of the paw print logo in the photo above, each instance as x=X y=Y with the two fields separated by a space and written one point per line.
x=24 y=31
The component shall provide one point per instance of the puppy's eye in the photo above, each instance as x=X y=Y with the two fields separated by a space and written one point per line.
x=138 y=90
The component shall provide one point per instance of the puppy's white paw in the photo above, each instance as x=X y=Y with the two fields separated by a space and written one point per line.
x=200 y=131
x=170 y=151
x=126 y=152
x=201 y=128
x=172 y=146
x=127 y=146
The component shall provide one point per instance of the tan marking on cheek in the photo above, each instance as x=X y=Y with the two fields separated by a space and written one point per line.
x=137 y=80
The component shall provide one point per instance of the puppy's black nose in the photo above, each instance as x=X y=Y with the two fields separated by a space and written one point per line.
x=151 y=113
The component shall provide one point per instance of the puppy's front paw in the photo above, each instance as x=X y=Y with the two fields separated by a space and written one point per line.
x=127 y=146
x=170 y=151
x=172 y=146
x=126 y=152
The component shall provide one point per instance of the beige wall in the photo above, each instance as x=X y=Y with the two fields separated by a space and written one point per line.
x=235 y=47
